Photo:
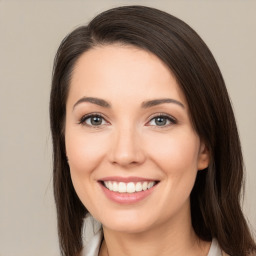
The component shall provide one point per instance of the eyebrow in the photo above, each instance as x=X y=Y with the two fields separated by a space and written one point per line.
x=93 y=100
x=152 y=103
x=145 y=104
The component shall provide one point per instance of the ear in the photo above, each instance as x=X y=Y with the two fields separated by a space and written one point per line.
x=203 y=157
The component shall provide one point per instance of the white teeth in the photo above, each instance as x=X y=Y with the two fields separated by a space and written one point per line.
x=138 y=187
x=115 y=186
x=130 y=187
x=121 y=187
x=150 y=185
x=110 y=186
x=145 y=185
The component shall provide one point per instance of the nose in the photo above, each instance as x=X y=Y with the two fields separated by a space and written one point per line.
x=126 y=149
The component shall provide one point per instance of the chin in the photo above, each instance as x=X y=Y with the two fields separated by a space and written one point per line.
x=127 y=227
x=128 y=223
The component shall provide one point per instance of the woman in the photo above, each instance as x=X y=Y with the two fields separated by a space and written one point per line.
x=145 y=141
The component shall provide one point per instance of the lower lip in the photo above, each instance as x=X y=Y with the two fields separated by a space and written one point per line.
x=126 y=198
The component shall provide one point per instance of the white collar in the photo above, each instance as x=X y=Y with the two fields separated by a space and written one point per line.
x=92 y=236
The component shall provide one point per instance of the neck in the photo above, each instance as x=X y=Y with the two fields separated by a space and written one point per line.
x=174 y=238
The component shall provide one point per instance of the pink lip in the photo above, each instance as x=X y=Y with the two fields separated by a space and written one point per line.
x=126 y=179
x=126 y=198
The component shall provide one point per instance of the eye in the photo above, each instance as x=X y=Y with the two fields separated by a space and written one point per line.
x=93 y=120
x=162 y=120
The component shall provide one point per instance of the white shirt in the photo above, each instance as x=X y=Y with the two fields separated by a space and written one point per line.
x=92 y=237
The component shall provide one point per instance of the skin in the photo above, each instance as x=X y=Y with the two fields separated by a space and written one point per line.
x=129 y=142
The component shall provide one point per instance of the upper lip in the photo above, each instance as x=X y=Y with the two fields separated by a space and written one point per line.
x=126 y=179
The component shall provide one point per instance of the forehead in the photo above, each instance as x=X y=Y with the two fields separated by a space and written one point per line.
x=112 y=70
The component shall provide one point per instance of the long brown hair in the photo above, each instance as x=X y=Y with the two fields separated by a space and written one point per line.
x=215 y=198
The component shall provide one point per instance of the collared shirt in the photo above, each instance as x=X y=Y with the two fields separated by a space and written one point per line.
x=92 y=237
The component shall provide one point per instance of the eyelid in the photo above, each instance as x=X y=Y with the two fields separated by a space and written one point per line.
x=168 y=116
x=86 y=116
x=160 y=114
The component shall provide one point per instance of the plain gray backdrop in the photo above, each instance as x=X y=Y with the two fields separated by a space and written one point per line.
x=30 y=32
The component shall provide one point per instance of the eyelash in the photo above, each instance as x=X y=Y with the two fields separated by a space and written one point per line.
x=91 y=115
x=169 y=118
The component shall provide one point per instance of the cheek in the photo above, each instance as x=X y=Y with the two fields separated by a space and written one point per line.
x=84 y=152
x=176 y=153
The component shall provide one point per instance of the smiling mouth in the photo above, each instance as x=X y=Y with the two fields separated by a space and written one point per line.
x=130 y=187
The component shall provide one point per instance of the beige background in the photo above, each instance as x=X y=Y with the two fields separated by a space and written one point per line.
x=30 y=32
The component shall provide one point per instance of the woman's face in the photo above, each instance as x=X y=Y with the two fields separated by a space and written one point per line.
x=132 y=150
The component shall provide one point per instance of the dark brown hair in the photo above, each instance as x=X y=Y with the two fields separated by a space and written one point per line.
x=215 y=198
